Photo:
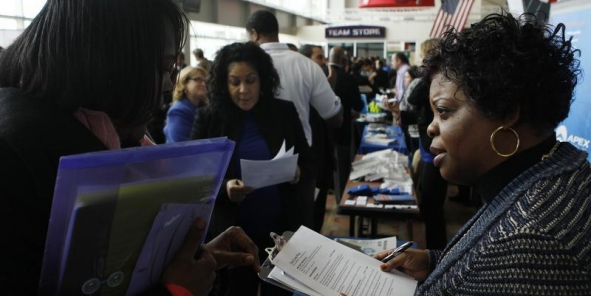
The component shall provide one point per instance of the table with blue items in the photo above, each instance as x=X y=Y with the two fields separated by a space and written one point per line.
x=359 y=206
x=379 y=136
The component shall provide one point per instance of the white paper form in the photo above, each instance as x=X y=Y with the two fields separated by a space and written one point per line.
x=262 y=173
x=285 y=279
x=369 y=247
x=328 y=267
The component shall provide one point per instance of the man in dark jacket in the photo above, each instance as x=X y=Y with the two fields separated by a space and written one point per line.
x=347 y=89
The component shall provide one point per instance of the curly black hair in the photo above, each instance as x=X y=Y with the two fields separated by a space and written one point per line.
x=503 y=63
x=256 y=58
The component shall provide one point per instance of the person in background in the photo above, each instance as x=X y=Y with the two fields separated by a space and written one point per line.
x=430 y=185
x=356 y=68
x=202 y=62
x=386 y=67
x=304 y=84
x=346 y=89
x=532 y=235
x=379 y=78
x=243 y=88
x=405 y=113
x=401 y=65
x=316 y=54
x=301 y=81
x=190 y=93
x=292 y=47
x=65 y=103
x=322 y=143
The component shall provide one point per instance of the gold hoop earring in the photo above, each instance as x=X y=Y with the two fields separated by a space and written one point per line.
x=492 y=142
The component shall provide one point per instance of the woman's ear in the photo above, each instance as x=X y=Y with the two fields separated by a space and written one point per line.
x=253 y=36
x=512 y=119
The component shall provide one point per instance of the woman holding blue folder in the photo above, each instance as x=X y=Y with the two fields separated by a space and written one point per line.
x=87 y=76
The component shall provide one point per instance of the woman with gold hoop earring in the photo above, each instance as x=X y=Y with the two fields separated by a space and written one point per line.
x=498 y=91
x=492 y=141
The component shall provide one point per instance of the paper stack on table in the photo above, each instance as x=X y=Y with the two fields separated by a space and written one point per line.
x=262 y=173
x=316 y=265
x=383 y=164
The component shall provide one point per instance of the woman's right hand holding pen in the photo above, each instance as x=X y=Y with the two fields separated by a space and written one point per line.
x=237 y=191
x=412 y=262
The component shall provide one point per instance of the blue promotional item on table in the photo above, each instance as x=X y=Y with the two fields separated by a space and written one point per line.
x=365 y=109
x=377 y=137
x=361 y=190
x=120 y=216
x=395 y=199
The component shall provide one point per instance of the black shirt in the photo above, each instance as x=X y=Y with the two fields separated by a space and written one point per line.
x=492 y=182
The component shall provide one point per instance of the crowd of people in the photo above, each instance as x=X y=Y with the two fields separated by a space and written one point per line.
x=480 y=110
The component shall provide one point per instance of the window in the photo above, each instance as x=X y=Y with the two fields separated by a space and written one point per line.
x=211 y=37
x=10 y=7
x=32 y=7
x=16 y=15
x=8 y=24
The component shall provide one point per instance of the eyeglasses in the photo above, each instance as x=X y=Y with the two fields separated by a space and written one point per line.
x=198 y=79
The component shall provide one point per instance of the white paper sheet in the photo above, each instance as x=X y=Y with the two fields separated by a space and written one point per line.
x=280 y=276
x=262 y=173
x=328 y=267
x=370 y=246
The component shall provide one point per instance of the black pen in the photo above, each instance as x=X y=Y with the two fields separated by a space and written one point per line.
x=398 y=251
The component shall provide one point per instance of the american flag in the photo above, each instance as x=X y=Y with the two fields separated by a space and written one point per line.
x=452 y=12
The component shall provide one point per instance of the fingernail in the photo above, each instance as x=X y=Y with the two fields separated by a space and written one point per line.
x=383 y=266
x=200 y=224
x=248 y=259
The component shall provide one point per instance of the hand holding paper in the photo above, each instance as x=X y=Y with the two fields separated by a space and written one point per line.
x=237 y=191
x=261 y=173
x=316 y=265
x=296 y=179
x=412 y=262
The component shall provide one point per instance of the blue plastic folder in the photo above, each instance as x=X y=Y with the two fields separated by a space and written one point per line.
x=118 y=217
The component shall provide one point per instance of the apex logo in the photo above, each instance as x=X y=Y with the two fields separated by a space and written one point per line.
x=563 y=136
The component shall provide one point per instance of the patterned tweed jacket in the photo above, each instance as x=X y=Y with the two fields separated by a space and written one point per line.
x=534 y=238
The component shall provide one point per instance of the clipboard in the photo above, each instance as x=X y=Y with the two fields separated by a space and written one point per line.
x=268 y=266
x=119 y=217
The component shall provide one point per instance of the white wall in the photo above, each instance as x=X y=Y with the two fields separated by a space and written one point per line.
x=337 y=4
x=232 y=13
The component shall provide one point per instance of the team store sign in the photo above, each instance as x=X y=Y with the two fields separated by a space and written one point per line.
x=355 y=32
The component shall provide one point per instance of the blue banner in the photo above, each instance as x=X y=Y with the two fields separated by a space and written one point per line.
x=576 y=129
